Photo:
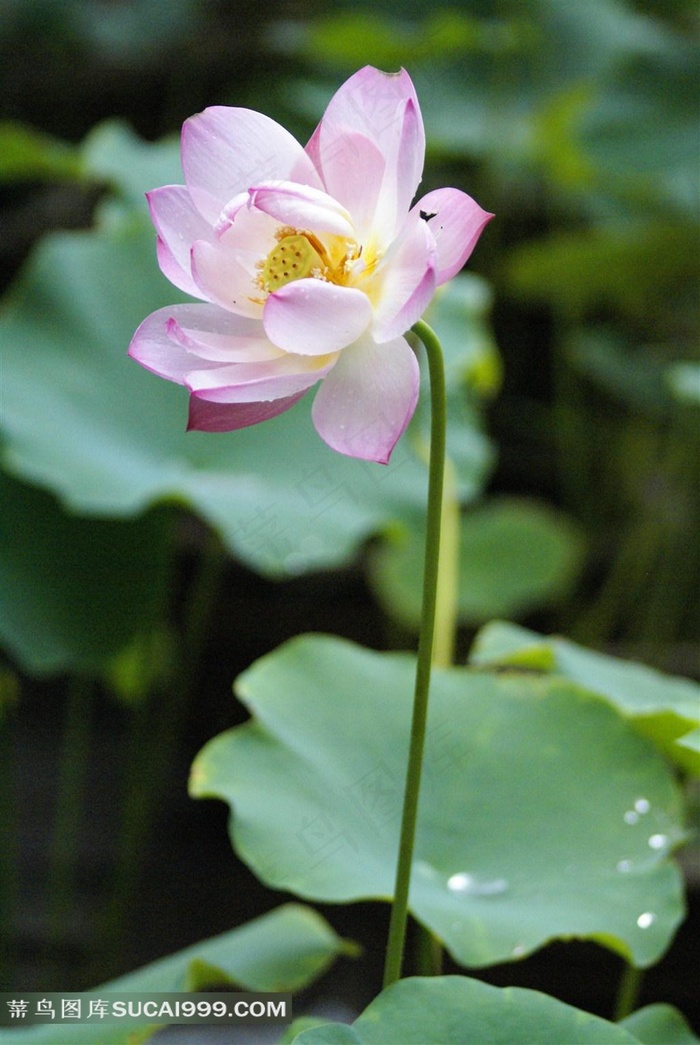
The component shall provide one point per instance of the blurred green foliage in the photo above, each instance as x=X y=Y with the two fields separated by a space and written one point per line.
x=572 y=354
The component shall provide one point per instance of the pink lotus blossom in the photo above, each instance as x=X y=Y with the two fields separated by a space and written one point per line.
x=311 y=263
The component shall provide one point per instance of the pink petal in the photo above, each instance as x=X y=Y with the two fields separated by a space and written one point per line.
x=383 y=108
x=178 y=224
x=152 y=347
x=353 y=172
x=180 y=338
x=228 y=417
x=226 y=150
x=258 y=382
x=404 y=169
x=224 y=280
x=407 y=280
x=216 y=347
x=456 y=221
x=174 y=272
x=364 y=404
x=312 y=318
x=302 y=207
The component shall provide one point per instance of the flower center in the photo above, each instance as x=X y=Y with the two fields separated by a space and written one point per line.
x=302 y=254
x=294 y=257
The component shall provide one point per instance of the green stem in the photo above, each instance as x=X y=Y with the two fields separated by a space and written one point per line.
x=399 y=911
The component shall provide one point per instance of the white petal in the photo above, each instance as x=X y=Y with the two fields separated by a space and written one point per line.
x=226 y=150
x=258 y=382
x=406 y=279
x=176 y=340
x=456 y=221
x=312 y=317
x=224 y=280
x=178 y=224
x=383 y=108
x=302 y=207
x=353 y=170
x=364 y=404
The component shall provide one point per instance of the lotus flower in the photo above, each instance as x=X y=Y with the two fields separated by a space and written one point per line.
x=311 y=263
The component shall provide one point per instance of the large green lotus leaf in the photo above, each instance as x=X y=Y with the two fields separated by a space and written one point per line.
x=111 y=152
x=515 y=555
x=107 y=438
x=75 y=591
x=525 y=830
x=634 y=268
x=663 y=707
x=27 y=155
x=641 y=133
x=659 y=1025
x=453 y=1010
x=283 y=950
x=481 y=81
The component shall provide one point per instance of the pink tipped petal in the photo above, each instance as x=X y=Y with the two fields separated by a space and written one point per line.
x=176 y=340
x=404 y=168
x=229 y=417
x=248 y=234
x=224 y=348
x=383 y=108
x=226 y=150
x=313 y=318
x=364 y=404
x=178 y=224
x=407 y=281
x=174 y=272
x=371 y=103
x=456 y=221
x=353 y=173
x=154 y=349
x=230 y=212
x=223 y=280
x=252 y=382
x=302 y=207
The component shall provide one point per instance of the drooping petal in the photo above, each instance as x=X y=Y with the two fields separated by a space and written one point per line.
x=302 y=207
x=225 y=150
x=180 y=338
x=178 y=224
x=258 y=382
x=312 y=318
x=223 y=280
x=229 y=417
x=364 y=404
x=407 y=280
x=456 y=221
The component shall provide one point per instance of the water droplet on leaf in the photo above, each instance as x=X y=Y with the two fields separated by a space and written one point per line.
x=470 y=885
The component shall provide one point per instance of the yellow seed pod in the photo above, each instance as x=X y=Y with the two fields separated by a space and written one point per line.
x=292 y=258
